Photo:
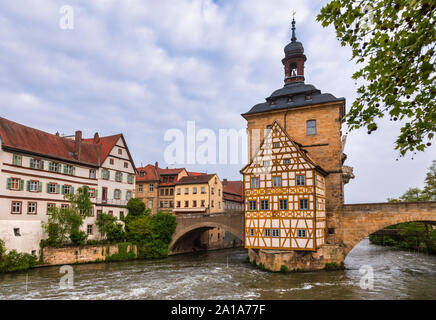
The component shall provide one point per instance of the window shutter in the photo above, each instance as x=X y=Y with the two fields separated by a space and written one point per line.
x=42 y=164
x=58 y=188
x=32 y=164
x=60 y=168
x=21 y=185
x=74 y=171
x=96 y=193
x=102 y=173
x=63 y=191
x=39 y=186
x=9 y=183
x=50 y=166
x=28 y=185
x=72 y=190
x=47 y=187
x=65 y=168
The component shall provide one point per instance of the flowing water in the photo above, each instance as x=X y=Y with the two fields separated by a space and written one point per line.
x=224 y=274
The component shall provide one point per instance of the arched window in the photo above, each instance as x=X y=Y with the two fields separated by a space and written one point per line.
x=293 y=69
x=311 y=127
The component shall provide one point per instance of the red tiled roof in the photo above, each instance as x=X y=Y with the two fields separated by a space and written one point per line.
x=233 y=190
x=205 y=178
x=106 y=143
x=169 y=171
x=19 y=137
x=149 y=173
x=196 y=173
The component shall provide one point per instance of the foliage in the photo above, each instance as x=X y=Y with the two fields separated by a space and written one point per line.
x=139 y=229
x=115 y=232
x=136 y=207
x=102 y=221
x=395 y=41
x=2 y=249
x=61 y=223
x=14 y=261
x=78 y=238
x=163 y=224
x=284 y=269
x=333 y=266
x=122 y=254
x=81 y=201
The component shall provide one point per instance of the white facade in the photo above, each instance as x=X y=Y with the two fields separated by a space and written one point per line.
x=24 y=205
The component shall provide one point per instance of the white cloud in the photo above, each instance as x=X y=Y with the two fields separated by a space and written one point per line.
x=141 y=67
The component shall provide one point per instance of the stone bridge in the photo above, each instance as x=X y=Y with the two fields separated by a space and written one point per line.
x=357 y=221
x=191 y=226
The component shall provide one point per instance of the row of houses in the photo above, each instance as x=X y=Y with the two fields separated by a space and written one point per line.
x=38 y=169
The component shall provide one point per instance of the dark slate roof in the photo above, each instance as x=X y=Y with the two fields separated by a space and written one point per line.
x=196 y=179
x=293 y=95
x=293 y=48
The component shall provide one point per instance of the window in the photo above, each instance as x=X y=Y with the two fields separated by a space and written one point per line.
x=161 y=204
x=36 y=164
x=252 y=232
x=287 y=161
x=117 y=194
x=267 y=232
x=151 y=187
x=49 y=206
x=166 y=192
x=304 y=204
x=171 y=204
x=211 y=204
x=212 y=191
x=33 y=186
x=140 y=188
x=142 y=174
x=254 y=183
x=66 y=189
x=14 y=184
x=203 y=190
x=301 y=180
x=301 y=233
x=17 y=232
x=194 y=203
x=194 y=190
x=31 y=208
x=311 y=127
x=126 y=165
x=118 y=176
x=276 y=145
x=65 y=206
x=111 y=161
x=263 y=204
x=105 y=174
x=120 y=151
x=54 y=166
x=178 y=204
x=16 y=207
x=68 y=169
x=186 y=190
x=252 y=204
x=283 y=204
x=150 y=204
x=52 y=188
x=277 y=181
x=92 y=173
x=121 y=215
x=203 y=203
x=89 y=229
x=166 y=204
x=171 y=179
x=171 y=192
x=17 y=161
x=186 y=204
x=275 y=232
x=179 y=191
x=128 y=195
x=130 y=178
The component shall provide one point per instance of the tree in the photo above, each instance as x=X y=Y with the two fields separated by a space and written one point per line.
x=81 y=201
x=411 y=195
x=136 y=207
x=61 y=223
x=395 y=40
x=102 y=221
x=139 y=229
x=163 y=224
x=430 y=183
x=115 y=232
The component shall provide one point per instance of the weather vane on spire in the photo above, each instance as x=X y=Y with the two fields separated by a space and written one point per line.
x=293 y=26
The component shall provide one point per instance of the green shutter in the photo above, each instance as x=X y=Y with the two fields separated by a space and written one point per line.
x=74 y=171
x=42 y=165
x=28 y=186
x=50 y=166
x=58 y=188
x=47 y=187
x=121 y=177
x=96 y=193
x=65 y=168
x=62 y=190
x=32 y=164
x=102 y=173
x=59 y=168
x=21 y=185
x=39 y=186
x=72 y=190
x=9 y=183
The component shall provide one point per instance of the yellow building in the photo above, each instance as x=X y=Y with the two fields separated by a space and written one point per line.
x=284 y=196
x=199 y=193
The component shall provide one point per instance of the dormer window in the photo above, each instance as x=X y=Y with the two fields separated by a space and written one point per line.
x=308 y=97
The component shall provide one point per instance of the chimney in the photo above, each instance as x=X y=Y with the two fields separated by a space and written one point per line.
x=224 y=181
x=78 y=144
x=57 y=133
x=156 y=165
x=96 y=138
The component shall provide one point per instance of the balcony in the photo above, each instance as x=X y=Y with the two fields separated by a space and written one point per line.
x=112 y=202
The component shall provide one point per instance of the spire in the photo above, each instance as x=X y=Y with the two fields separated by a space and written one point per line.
x=294 y=38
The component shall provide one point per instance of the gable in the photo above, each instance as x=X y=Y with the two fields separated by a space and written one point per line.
x=278 y=152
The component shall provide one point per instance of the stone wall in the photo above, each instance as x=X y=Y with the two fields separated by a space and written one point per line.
x=86 y=254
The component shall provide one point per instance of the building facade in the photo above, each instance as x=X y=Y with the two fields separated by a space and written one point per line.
x=199 y=193
x=39 y=168
x=233 y=195
x=310 y=122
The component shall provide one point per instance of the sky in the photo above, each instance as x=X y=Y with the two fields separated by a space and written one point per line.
x=143 y=67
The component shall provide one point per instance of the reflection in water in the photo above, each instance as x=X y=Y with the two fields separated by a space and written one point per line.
x=225 y=275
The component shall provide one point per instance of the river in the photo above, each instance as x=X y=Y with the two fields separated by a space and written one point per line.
x=224 y=274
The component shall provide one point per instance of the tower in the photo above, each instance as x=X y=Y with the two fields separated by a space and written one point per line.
x=312 y=120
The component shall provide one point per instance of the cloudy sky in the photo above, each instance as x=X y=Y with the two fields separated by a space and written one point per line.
x=142 y=67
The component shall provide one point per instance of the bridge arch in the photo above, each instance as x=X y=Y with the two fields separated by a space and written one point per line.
x=360 y=220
